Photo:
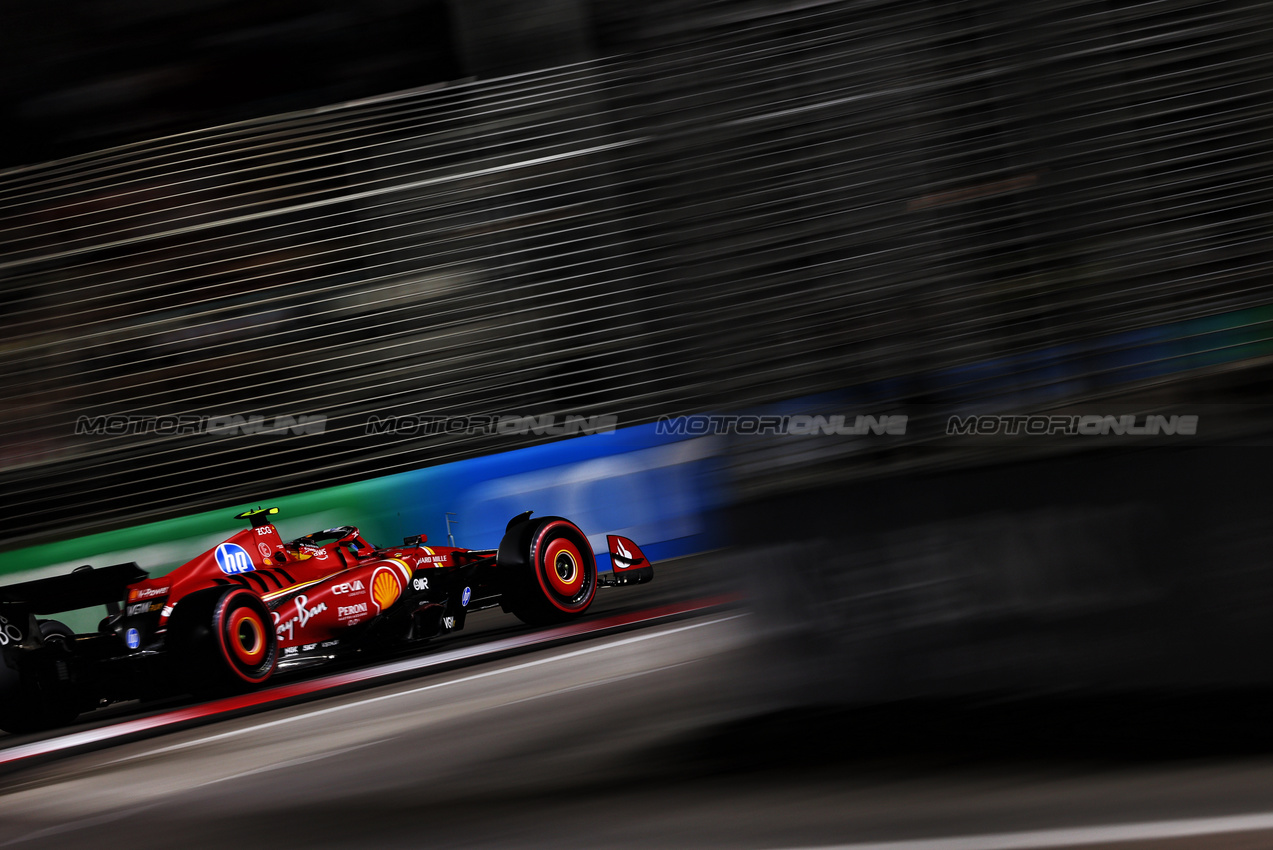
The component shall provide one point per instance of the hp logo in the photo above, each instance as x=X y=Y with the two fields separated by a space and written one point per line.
x=234 y=559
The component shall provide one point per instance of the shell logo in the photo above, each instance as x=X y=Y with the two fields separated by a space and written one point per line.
x=385 y=588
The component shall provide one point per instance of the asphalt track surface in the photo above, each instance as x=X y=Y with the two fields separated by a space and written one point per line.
x=660 y=736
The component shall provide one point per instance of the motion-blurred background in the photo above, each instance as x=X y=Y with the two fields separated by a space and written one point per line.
x=601 y=208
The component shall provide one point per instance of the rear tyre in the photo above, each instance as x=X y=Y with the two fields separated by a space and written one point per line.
x=555 y=579
x=222 y=641
x=33 y=704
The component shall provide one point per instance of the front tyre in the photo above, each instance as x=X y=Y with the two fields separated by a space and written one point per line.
x=222 y=641
x=557 y=578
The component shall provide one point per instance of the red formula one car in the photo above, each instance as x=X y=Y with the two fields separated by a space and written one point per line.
x=254 y=605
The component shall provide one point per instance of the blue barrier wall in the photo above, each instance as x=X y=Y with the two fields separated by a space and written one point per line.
x=661 y=491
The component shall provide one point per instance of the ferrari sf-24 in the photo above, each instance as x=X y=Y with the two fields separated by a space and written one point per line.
x=255 y=605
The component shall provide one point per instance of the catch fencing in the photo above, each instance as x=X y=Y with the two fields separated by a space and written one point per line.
x=936 y=203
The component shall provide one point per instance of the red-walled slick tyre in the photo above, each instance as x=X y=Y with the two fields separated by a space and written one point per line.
x=557 y=577
x=222 y=640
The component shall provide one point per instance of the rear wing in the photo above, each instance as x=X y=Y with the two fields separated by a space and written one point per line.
x=84 y=587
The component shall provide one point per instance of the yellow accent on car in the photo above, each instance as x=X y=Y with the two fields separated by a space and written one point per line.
x=406 y=569
x=277 y=593
x=256 y=512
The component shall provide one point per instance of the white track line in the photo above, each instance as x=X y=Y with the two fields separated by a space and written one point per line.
x=644 y=636
x=155 y=724
x=132 y=811
x=1079 y=836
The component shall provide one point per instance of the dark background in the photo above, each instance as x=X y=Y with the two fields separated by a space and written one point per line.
x=79 y=75
x=645 y=211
